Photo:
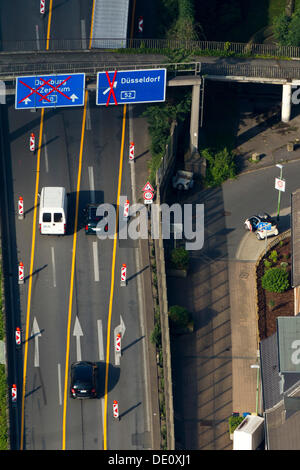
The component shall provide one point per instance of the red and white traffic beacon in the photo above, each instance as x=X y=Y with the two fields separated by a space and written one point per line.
x=32 y=142
x=14 y=394
x=18 y=337
x=42 y=6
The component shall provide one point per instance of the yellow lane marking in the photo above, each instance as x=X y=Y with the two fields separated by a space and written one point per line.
x=92 y=23
x=72 y=273
x=113 y=280
x=49 y=23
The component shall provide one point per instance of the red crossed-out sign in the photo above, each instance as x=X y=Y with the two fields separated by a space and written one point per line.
x=111 y=88
x=44 y=97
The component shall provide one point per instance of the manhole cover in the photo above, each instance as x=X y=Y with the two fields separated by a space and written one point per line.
x=244 y=275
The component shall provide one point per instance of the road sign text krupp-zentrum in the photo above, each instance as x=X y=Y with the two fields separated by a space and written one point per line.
x=50 y=91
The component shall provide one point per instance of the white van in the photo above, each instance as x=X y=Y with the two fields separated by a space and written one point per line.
x=53 y=211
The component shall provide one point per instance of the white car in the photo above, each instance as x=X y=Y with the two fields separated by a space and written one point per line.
x=262 y=225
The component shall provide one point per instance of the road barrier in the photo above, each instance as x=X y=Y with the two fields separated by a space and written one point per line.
x=123 y=275
x=116 y=409
x=21 y=208
x=118 y=342
x=32 y=142
x=131 y=151
x=21 y=273
x=126 y=209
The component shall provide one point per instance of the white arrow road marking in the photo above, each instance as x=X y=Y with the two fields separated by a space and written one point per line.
x=107 y=89
x=36 y=333
x=77 y=332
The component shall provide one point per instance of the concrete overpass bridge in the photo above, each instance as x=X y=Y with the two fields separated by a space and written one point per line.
x=72 y=56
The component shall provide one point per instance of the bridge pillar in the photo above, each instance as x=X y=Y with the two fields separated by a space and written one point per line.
x=286 y=104
x=194 y=125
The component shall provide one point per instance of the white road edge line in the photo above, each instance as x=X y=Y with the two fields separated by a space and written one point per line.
x=59 y=384
x=92 y=183
x=53 y=266
x=100 y=340
x=96 y=262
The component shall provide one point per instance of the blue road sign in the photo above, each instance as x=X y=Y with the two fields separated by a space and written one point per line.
x=50 y=91
x=131 y=86
x=264 y=226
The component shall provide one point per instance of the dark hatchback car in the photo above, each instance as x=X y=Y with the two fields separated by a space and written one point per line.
x=92 y=219
x=83 y=380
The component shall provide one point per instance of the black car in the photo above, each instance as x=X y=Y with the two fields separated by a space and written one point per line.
x=83 y=380
x=92 y=219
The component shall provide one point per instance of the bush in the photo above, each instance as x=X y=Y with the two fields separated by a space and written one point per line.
x=220 y=166
x=275 y=280
x=180 y=258
x=234 y=422
x=179 y=316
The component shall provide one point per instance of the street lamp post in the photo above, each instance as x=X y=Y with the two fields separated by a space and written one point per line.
x=279 y=192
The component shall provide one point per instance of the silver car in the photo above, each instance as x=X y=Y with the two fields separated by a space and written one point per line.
x=262 y=225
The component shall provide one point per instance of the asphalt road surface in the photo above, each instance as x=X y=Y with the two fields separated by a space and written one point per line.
x=71 y=301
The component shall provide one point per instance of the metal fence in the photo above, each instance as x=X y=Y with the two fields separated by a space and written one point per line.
x=207 y=47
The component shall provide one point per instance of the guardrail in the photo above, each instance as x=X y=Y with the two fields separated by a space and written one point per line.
x=213 y=47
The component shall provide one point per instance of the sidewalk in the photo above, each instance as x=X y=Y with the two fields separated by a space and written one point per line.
x=212 y=374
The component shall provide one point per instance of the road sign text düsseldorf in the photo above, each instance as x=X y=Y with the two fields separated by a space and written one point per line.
x=46 y=91
x=131 y=86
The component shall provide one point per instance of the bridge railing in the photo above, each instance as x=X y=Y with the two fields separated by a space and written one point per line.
x=207 y=47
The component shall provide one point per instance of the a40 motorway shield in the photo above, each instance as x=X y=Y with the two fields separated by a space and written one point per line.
x=50 y=91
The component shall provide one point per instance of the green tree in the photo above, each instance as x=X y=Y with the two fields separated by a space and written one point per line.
x=180 y=258
x=275 y=280
x=294 y=29
x=179 y=316
x=221 y=166
x=281 y=29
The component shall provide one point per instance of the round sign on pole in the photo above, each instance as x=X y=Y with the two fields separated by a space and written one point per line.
x=148 y=197
x=280 y=184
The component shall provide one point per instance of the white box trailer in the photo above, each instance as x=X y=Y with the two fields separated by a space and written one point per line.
x=249 y=434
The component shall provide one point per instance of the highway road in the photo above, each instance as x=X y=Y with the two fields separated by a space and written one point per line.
x=71 y=301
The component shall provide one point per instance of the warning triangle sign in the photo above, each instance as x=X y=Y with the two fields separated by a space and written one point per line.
x=148 y=187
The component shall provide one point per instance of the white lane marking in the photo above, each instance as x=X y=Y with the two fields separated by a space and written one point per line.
x=37 y=37
x=46 y=154
x=53 y=266
x=96 y=262
x=100 y=340
x=88 y=123
x=92 y=184
x=36 y=333
x=59 y=384
x=83 y=34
